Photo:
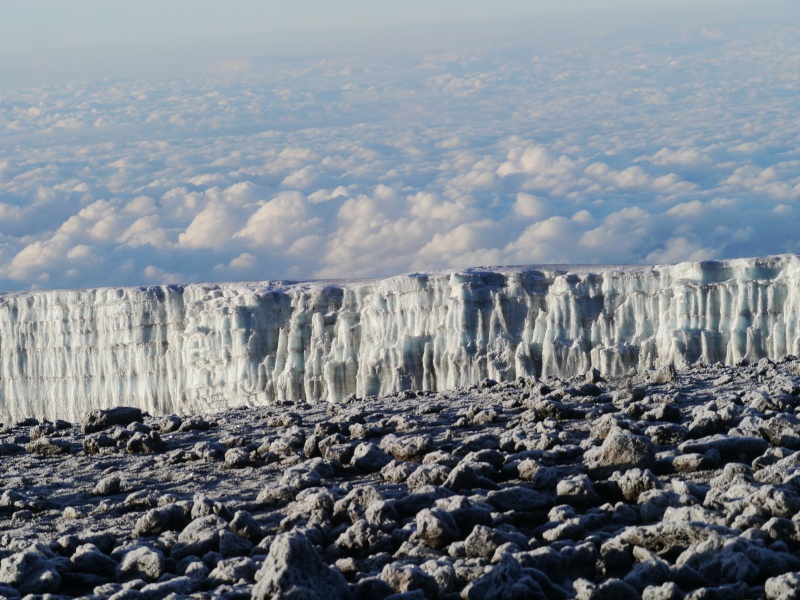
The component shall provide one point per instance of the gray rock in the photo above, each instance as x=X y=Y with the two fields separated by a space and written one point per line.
x=369 y=458
x=170 y=423
x=97 y=420
x=231 y=545
x=620 y=451
x=209 y=451
x=237 y=458
x=510 y=580
x=30 y=573
x=635 y=481
x=484 y=541
x=142 y=563
x=665 y=591
x=729 y=447
x=277 y=495
x=171 y=588
x=144 y=443
x=88 y=559
x=436 y=527
x=610 y=588
x=783 y=587
x=108 y=486
x=199 y=537
x=569 y=562
x=409 y=448
x=519 y=499
x=360 y=540
x=397 y=471
x=307 y=474
x=430 y=474
x=293 y=569
x=720 y=560
x=665 y=374
x=245 y=526
x=47 y=446
x=231 y=570
x=158 y=520
x=541 y=477
x=577 y=490
x=469 y=476
x=407 y=577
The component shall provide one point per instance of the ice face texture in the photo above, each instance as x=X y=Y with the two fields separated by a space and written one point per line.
x=202 y=348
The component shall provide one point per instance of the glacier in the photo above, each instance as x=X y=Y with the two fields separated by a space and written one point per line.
x=200 y=348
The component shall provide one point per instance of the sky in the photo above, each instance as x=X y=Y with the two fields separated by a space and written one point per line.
x=191 y=141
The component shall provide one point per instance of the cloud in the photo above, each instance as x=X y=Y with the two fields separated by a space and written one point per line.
x=617 y=148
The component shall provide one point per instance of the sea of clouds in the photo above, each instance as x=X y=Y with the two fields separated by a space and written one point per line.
x=630 y=142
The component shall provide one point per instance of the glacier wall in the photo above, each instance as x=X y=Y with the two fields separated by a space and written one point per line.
x=203 y=348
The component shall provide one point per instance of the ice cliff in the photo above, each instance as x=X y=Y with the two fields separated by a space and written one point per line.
x=201 y=348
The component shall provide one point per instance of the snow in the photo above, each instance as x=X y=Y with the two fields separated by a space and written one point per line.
x=206 y=348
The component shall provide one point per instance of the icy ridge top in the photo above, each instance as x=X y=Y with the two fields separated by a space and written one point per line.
x=205 y=347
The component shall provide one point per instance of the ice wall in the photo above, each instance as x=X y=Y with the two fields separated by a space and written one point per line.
x=200 y=348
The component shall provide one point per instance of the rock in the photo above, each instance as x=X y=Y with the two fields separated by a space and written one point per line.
x=307 y=474
x=87 y=558
x=232 y=570
x=634 y=482
x=409 y=448
x=209 y=451
x=194 y=423
x=108 y=486
x=293 y=569
x=199 y=537
x=568 y=562
x=469 y=476
x=729 y=447
x=369 y=458
x=783 y=587
x=144 y=443
x=484 y=541
x=30 y=573
x=177 y=587
x=665 y=374
x=360 y=540
x=720 y=560
x=397 y=471
x=430 y=474
x=97 y=420
x=519 y=499
x=231 y=545
x=142 y=563
x=237 y=458
x=510 y=580
x=407 y=577
x=577 y=490
x=158 y=520
x=245 y=526
x=436 y=527
x=620 y=451
x=541 y=477
x=610 y=588
x=277 y=495
x=169 y=423
x=665 y=591
x=46 y=446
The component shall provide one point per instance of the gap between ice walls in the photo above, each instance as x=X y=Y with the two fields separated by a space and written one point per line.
x=204 y=348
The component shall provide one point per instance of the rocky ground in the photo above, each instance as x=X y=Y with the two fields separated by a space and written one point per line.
x=661 y=485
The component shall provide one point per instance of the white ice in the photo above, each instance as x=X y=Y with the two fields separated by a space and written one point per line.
x=201 y=348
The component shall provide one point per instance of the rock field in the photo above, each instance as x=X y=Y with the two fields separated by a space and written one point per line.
x=659 y=485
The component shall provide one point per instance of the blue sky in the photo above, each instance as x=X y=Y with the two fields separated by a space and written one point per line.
x=196 y=141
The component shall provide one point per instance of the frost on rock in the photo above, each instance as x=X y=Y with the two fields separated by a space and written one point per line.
x=204 y=348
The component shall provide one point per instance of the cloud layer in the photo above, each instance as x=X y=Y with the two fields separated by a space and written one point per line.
x=613 y=146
